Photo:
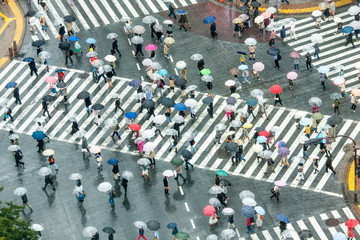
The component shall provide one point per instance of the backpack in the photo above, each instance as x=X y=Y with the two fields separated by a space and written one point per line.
x=71 y=52
x=279 y=57
x=81 y=196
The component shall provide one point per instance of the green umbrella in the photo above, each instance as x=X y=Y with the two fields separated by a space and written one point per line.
x=182 y=235
x=221 y=173
x=205 y=71
x=177 y=161
x=317 y=116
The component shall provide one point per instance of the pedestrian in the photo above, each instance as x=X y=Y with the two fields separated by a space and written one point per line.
x=293 y=30
x=277 y=58
x=353 y=102
x=115 y=171
x=187 y=163
x=248 y=226
x=272 y=38
x=152 y=56
x=246 y=134
x=92 y=47
x=318 y=22
x=316 y=51
x=166 y=50
x=74 y=127
x=68 y=54
x=145 y=171
x=172 y=10
x=128 y=28
x=98 y=160
x=69 y=27
x=51 y=161
x=61 y=32
x=33 y=68
x=270 y=164
x=221 y=198
x=166 y=185
x=332 y=8
x=210 y=110
x=169 y=31
x=242 y=59
x=262 y=105
x=217 y=138
x=213 y=30
x=124 y=183
x=115 y=129
x=138 y=48
x=261 y=28
x=339 y=28
x=8 y=112
x=141 y=147
x=213 y=220
x=328 y=164
x=77 y=48
x=282 y=226
x=16 y=95
x=49 y=181
x=350 y=233
x=308 y=61
x=237 y=30
x=18 y=155
x=84 y=145
x=316 y=164
x=38 y=51
x=336 y=105
x=109 y=76
x=300 y=174
x=307 y=131
x=32 y=22
x=349 y=39
x=275 y=193
x=277 y=100
x=231 y=221
x=26 y=202
x=252 y=52
x=118 y=105
x=283 y=35
x=182 y=22
x=315 y=109
x=159 y=34
x=101 y=74
x=284 y=161
x=250 y=110
x=296 y=65
x=177 y=128
x=40 y=145
x=179 y=173
x=111 y=194
x=326 y=14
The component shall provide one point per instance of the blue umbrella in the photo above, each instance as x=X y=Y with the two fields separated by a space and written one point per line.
x=180 y=107
x=11 y=85
x=163 y=72
x=130 y=115
x=61 y=70
x=38 y=135
x=73 y=39
x=340 y=236
x=273 y=51
x=112 y=161
x=181 y=12
x=171 y=225
x=347 y=29
x=91 y=41
x=241 y=52
x=259 y=210
x=243 y=67
x=135 y=82
x=283 y=218
x=248 y=211
x=305 y=121
x=28 y=59
x=209 y=19
x=251 y=102
x=261 y=139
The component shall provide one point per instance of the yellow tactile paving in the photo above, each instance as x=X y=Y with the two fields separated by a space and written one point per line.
x=352 y=177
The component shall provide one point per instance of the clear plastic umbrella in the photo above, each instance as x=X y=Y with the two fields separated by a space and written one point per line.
x=158 y=28
x=228 y=211
x=189 y=136
x=128 y=175
x=214 y=202
x=266 y=154
x=215 y=190
x=91 y=54
x=138 y=40
x=246 y=194
x=178 y=119
x=250 y=41
x=315 y=101
x=44 y=55
x=228 y=233
x=44 y=171
x=316 y=38
x=143 y=161
x=156 y=65
x=138 y=29
x=148 y=133
x=170 y=132
x=159 y=119
x=190 y=102
x=168 y=173
x=257 y=92
x=196 y=57
x=124 y=19
x=220 y=127
x=168 y=21
x=111 y=36
x=75 y=176
x=207 y=78
x=257 y=148
x=148 y=19
x=149 y=146
x=235 y=123
x=354 y=10
x=140 y=224
x=212 y=237
x=147 y=62
x=104 y=187
x=89 y=231
x=20 y=191
x=323 y=69
x=110 y=122
x=36 y=227
x=249 y=202
x=13 y=148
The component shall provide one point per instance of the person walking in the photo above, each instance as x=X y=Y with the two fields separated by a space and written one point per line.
x=210 y=110
x=145 y=171
x=339 y=28
x=213 y=30
x=187 y=163
x=293 y=30
x=18 y=155
x=272 y=38
x=172 y=10
x=118 y=105
x=8 y=112
x=124 y=184
x=336 y=105
x=87 y=105
x=217 y=138
x=138 y=48
x=166 y=185
x=332 y=8
x=231 y=223
x=74 y=127
x=111 y=194
x=277 y=100
x=179 y=173
x=115 y=129
x=61 y=32
x=166 y=50
x=26 y=202
x=275 y=193
x=283 y=35
x=328 y=164
x=182 y=22
x=51 y=161
x=353 y=102
x=323 y=77
x=115 y=171
x=316 y=51
x=152 y=157
x=248 y=226
x=68 y=54
x=40 y=145
x=349 y=39
x=270 y=165
x=84 y=145
x=33 y=68
x=81 y=198
x=316 y=164
x=98 y=160
x=49 y=181
x=45 y=109
x=308 y=61
x=300 y=174
x=69 y=27
x=141 y=234
x=252 y=52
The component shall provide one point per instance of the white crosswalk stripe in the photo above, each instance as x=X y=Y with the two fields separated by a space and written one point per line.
x=207 y=154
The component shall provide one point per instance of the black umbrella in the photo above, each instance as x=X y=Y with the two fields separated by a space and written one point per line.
x=109 y=230
x=97 y=106
x=231 y=100
x=180 y=82
x=61 y=85
x=153 y=225
x=147 y=104
x=255 y=4
x=273 y=51
x=48 y=98
x=186 y=154
x=259 y=129
x=244 y=1
x=245 y=8
x=83 y=95
x=207 y=100
x=64 y=45
x=69 y=18
x=305 y=233
x=30 y=13
x=167 y=102
x=38 y=43
x=231 y=146
x=334 y=120
x=174 y=77
x=225 y=182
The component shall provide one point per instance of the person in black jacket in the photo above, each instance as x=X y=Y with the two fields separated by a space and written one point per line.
x=16 y=95
x=115 y=171
x=62 y=32
x=328 y=164
x=8 y=112
x=40 y=145
x=115 y=47
x=45 y=108
x=138 y=48
x=166 y=185
x=124 y=183
x=49 y=181
x=213 y=29
x=95 y=236
x=26 y=202
x=118 y=105
x=87 y=105
x=18 y=156
x=74 y=127
x=211 y=110
x=33 y=68
x=349 y=39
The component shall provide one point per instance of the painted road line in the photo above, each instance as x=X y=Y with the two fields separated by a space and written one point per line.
x=216 y=164
x=110 y=11
x=277 y=231
x=193 y=1
x=88 y=13
x=152 y=6
x=187 y=207
x=43 y=34
x=48 y=22
x=333 y=58
x=131 y=8
x=335 y=214
x=56 y=15
x=293 y=233
x=142 y=7
x=316 y=226
x=138 y=66
x=267 y=235
x=254 y=237
x=171 y=58
x=181 y=190
x=9 y=67
x=99 y=12
x=162 y=5
x=183 y=3
x=65 y=13
x=119 y=8
x=77 y=14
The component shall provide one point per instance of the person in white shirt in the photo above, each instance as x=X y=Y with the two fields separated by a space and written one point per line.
x=32 y=22
x=292 y=30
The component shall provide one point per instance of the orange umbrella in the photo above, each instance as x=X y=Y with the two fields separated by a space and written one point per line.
x=355 y=92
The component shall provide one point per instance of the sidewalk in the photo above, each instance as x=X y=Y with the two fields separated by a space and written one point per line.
x=11 y=29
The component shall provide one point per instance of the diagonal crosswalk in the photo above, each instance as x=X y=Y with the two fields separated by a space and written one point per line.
x=208 y=154
x=332 y=50
x=96 y=13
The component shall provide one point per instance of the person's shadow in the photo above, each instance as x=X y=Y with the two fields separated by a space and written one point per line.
x=126 y=203
x=170 y=208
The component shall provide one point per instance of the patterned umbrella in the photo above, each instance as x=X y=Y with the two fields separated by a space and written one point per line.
x=153 y=225
x=248 y=211
x=317 y=116
x=294 y=54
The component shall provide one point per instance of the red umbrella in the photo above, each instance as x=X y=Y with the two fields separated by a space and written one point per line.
x=135 y=127
x=351 y=223
x=93 y=59
x=295 y=54
x=209 y=210
x=276 y=89
x=264 y=133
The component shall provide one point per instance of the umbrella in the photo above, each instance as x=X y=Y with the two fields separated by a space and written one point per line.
x=305 y=233
x=180 y=82
x=50 y=79
x=83 y=95
x=138 y=29
x=108 y=230
x=323 y=69
x=271 y=10
x=243 y=67
x=276 y=89
x=153 y=225
x=235 y=123
x=97 y=106
x=259 y=210
x=143 y=161
x=207 y=78
x=231 y=146
x=247 y=125
x=275 y=128
x=246 y=194
x=36 y=227
x=266 y=15
x=354 y=10
x=171 y=225
x=168 y=21
x=148 y=19
x=186 y=154
x=48 y=98
x=316 y=38
x=280 y=183
x=20 y=191
x=291 y=75
x=317 y=116
x=124 y=19
x=256 y=93
x=177 y=161
x=48 y=152
x=214 y=202
x=169 y=40
x=181 y=12
x=339 y=67
x=110 y=122
x=110 y=58
x=231 y=100
x=38 y=43
x=251 y=102
x=64 y=45
x=95 y=149
x=159 y=119
x=259 y=19
x=156 y=76
x=209 y=19
x=249 y=202
x=112 y=161
x=221 y=173
x=182 y=235
x=227 y=211
x=347 y=29
x=148 y=133
x=147 y=104
x=137 y=40
x=158 y=28
x=92 y=55
x=128 y=175
x=351 y=223
x=61 y=85
x=180 y=107
x=283 y=218
x=163 y=72
x=338 y=95
x=196 y=57
x=316 y=13
x=209 y=210
x=11 y=85
x=30 y=13
x=228 y=233
x=39 y=135
x=340 y=236
x=258 y=66
x=220 y=127
x=264 y=133
x=248 y=211
x=75 y=176
x=273 y=51
x=338 y=81
x=147 y=62
x=192 y=87
x=205 y=71
x=237 y=20
x=255 y=4
x=181 y=65
x=283 y=151
x=149 y=146
x=241 y=52
x=315 y=101
x=250 y=41
x=261 y=139
x=168 y=173
x=245 y=8
x=44 y=171
x=13 y=148
x=337 y=19
x=212 y=237
x=28 y=59
x=69 y=18
x=104 y=187
x=73 y=39
x=225 y=182
x=178 y=119
x=91 y=40
x=190 y=102
x=294 y=54
x=279 y=144
x=170 y=132
x=151 y=47
x=111 y=36
x=215 y=190
x=130 y=115
x=234 y=71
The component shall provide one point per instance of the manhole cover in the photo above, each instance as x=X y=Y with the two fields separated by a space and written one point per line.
x=332 y=222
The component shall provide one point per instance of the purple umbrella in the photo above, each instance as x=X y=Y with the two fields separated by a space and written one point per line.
x=135 y=83
x=283 y=151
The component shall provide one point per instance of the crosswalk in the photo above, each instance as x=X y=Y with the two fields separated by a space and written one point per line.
x=333 y=51
x=208 y=154
x=95 y=13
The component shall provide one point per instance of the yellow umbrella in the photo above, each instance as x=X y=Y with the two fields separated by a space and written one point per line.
x=355 y=92
x=48 y=152
x=247 y=125
x=238 y=20
x=169 y=40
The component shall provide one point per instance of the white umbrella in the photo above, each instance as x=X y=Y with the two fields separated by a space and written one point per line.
x=212 y=237
x=323 y=5
x=78 y=190
x=40 y=13
x=275 y=129
x=316 y=38
x=127 y=175
x=44 y=171
x=110 y=58
x=143 y=161
x=257 y=92
x=196 y=57
x=104 y=187
x=228 y=211
x=355 y=25
x=148 y=19
x=270 y=27
x=89 y=231
x=250 y=41
x=159 y=119
x=48 y=152
x=353 y=10
x=339 y=67
x=178 y=119
x=170 y=132
x=168 y=21
x=249 y=202
x=91 y=54
x=257 y=148
x=235 y=95
x=214 y=202
x=235 y=123
x=228 y=233
x=190 y=102
x=230 y=83
x=36 y=227
x=215 y=190
x=243 y=67
x=246 y=194
x=156 y=65
x=155 y=76
x=323 y=69
x=189 y=136
x=149 y=146
x=207 y=78
x=44 y=55
x=75 y=176
x=147 y=62
x=111 y=36
x=148 y=133
x=337 y=19
x=95 y=149
x=220 y=127
x=140 y=224
x=137 y=40
x=192 y=87
x=271 y=10
x=315 y=101
x=13 y=148
x=168 y=173
x=124 y=19
x=259 y=19
x=136 y=141
x=158 y=28
x=110 y=122
x=180 y=65
x=20 y=191
x=39 y=119
x=259 y=210
x=138 y=29
x=266 y=154
x=316 y=13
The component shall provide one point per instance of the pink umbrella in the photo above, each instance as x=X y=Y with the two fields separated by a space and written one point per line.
x=292 y=75
x=266 y=15
x=151 y=47
x=209 y=210
x=294 y=54
x=258 y=66
x=280 y=183
x=50 y=79
x=339 y=81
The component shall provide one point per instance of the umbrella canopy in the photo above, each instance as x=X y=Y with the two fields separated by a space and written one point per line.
x=315 y=101
x=235 y=123
x=181 y=65
x=215 y=190
x=148 y=133
x=305 y=121
x=294 y=54
x=75 y=176
x=192 y=87
x=95 y=149
x=340 y=236
x=108 y=230
x=163 y=72
x=38 y=43
x=180 y=82
x=339 y=80
x=264 y=133
x=112 y=161
x=111 y=36
x=256 y=93
x=338 y=95
x=130 y=115
x=69 y=18
x=251 y=102
x=209 y=20
x=280 y=183
x=28 y=59
x=257 y=148
x=143 y=161
x=354 y=10
x=61 y=85
x=259 y=19
x=316 y=13
x=246 y=194
x=347 y=30
x=283 y=151
x=124 y=19
x=10 y=85
x=149 y=146
x=261 y=139
x=248 y=211
x=227 y=211
x=276 y=89
x=228 y=233
x=250 y=41
x=92 y=55
x=147 y=104
x=140 y=224
x=242 y=67
x=316 y=38
x=110 y=58
x=104 y=187
x=178 y=119
x=36 y=227
x=221 y=173
x=64 y=45
x=171 y=225
x=73 y=39
x=97 y=106
x=220 y=127
x=238 y=20
x=207 y=78
x=48 y=152
x=283 y=218
x=170 y=132
x=196 y=57
x=83 y=95
x=351 y=223
x=259 y=210
x=258 y=66
x=30 y=13
x=138 y=29
x=50 y=79
x=305 y=233
x=177 y=161
x=110 y=122
x=159 y=119
x=180 y=107
x=231 y=100
x=168 y=21
x=244 y=8
x=234 y=71
x=339 y=67
x=244 y=16
x=147 y=62
x=231 y=146
x=151 y=47
x=214 y=202
x=205 y=71
x=182 y=235
x=44 y=171
x=279 y=144
x=13 y=148
x=271 y=10
x=148 y=19
x=212 y=237
x=38 y=135
x=158 y=28
x=153 y=225
x=317 y=116
x=209 y=210
x=249 y=202
x=168 y=173
x=127 y=175
x=181 y=12
x=273 y=51
x=323 y=69
x=20 y=191
x=186 y=154
x=137 y=40
x=169 y=40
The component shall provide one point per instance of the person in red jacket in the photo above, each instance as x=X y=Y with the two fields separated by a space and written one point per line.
x=248 y=225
